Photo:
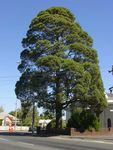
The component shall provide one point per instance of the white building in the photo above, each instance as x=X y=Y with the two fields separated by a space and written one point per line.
x=44 y=122
x=7 y=119
x=106 y=116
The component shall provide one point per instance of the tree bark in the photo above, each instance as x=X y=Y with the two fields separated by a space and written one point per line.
x=58 y=105
x=33 y=117
x=58 y=118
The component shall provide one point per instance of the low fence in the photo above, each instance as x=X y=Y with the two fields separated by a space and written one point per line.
x=13 y=128
x=58 y=131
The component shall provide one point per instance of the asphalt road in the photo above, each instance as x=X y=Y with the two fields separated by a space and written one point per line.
x=51 y=143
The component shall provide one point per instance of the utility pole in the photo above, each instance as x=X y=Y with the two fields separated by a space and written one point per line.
x=111 y=88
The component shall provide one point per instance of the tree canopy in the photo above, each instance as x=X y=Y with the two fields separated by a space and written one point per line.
x=58 y=64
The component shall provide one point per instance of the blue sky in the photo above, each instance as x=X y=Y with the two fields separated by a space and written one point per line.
x=95 y=17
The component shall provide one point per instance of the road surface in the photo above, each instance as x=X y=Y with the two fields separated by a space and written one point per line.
x=51 y=143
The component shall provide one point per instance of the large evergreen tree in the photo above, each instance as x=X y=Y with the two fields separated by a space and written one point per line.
x=58 y=64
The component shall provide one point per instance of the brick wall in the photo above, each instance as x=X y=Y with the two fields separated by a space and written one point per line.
x=104 y=131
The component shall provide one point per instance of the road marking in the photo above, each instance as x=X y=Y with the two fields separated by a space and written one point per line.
x=24 y=143
x=3 y=139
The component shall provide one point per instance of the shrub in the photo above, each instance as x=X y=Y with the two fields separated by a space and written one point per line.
x=52 y=124
x=84 y=120
x=1 y=122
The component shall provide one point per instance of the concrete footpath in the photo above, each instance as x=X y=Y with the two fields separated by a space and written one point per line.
x=97 y=139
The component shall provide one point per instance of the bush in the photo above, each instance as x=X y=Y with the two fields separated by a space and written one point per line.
x=84 y=120
x=52 y=124
x=1 y=122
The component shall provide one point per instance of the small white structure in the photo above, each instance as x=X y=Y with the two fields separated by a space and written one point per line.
x=43 y=122
x=106 y=117
x=7 y=119
x=7 y=123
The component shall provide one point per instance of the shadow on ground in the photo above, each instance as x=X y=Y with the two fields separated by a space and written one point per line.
x=16 y=133
x=41 y=134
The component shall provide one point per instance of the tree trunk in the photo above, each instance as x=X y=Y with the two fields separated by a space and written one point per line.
x=58 y=117
x=33 y=117
x=58 y=105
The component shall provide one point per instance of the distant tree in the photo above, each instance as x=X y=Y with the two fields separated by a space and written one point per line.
x=25 y=114
x=28 y=120
x=1 y=109
x=26 y=107
x=16 y=113
x=46 y=115
x=59 y=66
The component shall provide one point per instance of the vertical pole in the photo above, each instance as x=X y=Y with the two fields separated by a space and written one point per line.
x=33 y=117
x=15 y=114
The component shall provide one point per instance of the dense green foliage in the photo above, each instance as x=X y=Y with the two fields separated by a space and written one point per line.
x=1 y=122
x=59 y=66
x=84 y=120
x=52 y=125
x=46 y=115
x=25 y=114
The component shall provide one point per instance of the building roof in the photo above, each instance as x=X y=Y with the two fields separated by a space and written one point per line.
x=3 y=115
x=109 y=97
x=44 y=121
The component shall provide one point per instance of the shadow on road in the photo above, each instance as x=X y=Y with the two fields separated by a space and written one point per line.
x=41 y=134
x=16 y=133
